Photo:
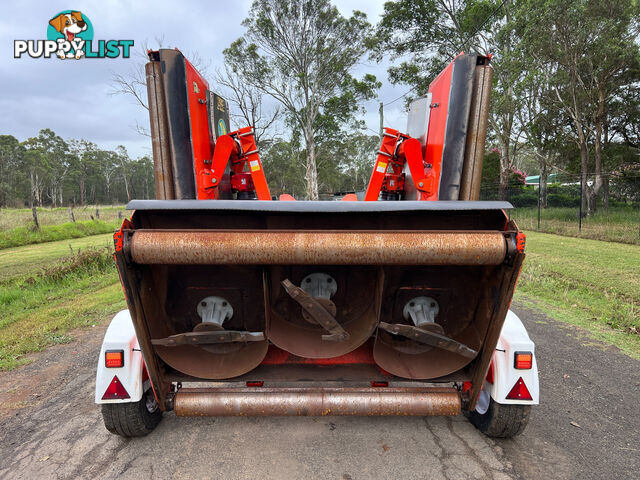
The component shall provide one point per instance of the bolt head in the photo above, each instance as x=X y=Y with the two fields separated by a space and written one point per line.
x=213 y=180
x=421 y=184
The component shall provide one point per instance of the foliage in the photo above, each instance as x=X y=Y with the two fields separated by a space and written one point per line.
x=300 y=53
x=566 y=93
x=619 y=224
x=47 y=170
x=344 y=165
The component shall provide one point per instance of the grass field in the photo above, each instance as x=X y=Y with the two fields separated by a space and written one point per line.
x=41 y=302
x=29 y=260
x=45 y=291
x=17 y=227
x=589 y=283
x=11 y=218
x=619 y=224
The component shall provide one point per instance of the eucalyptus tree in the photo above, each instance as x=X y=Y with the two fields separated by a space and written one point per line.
x=301 y=53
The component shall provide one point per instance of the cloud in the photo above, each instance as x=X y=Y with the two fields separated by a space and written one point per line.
x=74 y=97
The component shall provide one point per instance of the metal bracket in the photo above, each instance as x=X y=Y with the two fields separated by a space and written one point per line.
x=429 y=338
x=214 y=310
x=317 y=312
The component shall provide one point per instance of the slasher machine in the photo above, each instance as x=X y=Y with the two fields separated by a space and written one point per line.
x=240 y=304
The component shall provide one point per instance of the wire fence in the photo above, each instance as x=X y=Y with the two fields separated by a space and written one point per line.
x=562 y=210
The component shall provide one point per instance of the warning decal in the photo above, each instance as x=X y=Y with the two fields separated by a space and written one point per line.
x=255 y=165
x=382 y=167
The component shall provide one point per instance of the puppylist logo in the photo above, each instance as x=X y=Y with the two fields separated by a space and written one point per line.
x=70 y=36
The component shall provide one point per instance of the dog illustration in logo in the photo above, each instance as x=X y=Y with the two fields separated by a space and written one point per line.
x=69 y=25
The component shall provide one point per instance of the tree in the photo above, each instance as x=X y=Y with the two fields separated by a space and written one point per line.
x=300 y=53
x=123 y=159
x=48 y=162
x=11 y=163
x=432 y=32
x=590 y=49
x=247 y=100
x=427 y=34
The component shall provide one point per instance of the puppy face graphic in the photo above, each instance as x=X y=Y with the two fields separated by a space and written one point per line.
x=69 y=24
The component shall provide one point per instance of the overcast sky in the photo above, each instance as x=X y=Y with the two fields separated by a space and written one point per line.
x=73 y=97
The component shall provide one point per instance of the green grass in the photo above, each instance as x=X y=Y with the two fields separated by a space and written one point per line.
x=50 y=233
x=26 y=260
x=11 y=218
x=41 y=306
x=619 y=224
x=589 y=283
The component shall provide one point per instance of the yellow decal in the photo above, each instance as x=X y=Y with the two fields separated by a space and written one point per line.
x=255 y=165
x=382 y=167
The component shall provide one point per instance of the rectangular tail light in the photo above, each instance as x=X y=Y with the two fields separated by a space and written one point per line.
x=523 y=360
x=114 y=358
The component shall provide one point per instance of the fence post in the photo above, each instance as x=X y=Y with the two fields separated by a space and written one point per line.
x=539 y=198
x=71 y=216
x=580 y=210
x=34 y=212
x=97 y=214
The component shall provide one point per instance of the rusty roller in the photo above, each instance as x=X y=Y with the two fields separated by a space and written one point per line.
x=317 y=248
x=317 y=402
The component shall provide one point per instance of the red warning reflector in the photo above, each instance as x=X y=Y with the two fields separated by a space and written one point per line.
x=115 y=390
x=257 y=383
x=519 y=391
x=377 y=384
x=490 y=373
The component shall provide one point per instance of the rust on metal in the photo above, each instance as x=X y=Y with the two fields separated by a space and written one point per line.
x=208 y=338
x=162 y=170
x=422 y=335
x=340 y=401
x=357 y=303
x=317 y=312
x=476 y=133
x=201 y=362
x=507 y=288
x=292 y=247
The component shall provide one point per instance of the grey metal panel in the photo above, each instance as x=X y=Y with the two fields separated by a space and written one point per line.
x=314 y=207
x=418 y=119
x=456 y=130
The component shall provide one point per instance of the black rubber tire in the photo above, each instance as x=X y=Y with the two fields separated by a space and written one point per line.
x=130 y=419
x=500 y=420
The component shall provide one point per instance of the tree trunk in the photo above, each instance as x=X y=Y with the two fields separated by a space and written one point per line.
x=311 y=174
x=543 y=183
x=598 y=182
x=503 y=190
x=82 y=191
x=605 y=195
x=584 y=165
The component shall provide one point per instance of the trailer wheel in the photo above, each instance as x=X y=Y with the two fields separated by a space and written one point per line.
x=499 y=420
x=134 y=419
